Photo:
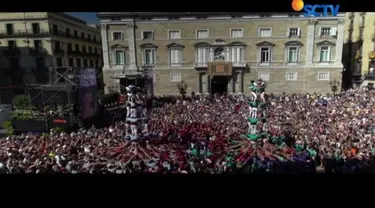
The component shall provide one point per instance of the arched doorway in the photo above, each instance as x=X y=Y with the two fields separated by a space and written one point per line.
x=219 y=84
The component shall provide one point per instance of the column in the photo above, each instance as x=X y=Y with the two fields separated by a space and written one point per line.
x=199 y=83
x=204 y=82
x=208 y=83
x=340 y=41
x=231 y=84
x=240 y=76
x=310 y=42
x=211 y=55
x=132 y=47
x=104 y=37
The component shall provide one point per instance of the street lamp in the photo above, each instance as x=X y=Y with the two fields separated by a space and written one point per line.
x=334 y=86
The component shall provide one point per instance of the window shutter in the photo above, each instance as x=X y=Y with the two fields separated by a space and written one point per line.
x=233 y=55
x=333 y=31
x=238 y=54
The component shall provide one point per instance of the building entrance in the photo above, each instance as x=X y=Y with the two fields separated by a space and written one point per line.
x=219 y=84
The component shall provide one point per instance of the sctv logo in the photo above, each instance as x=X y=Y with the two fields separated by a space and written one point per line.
x=324 y=10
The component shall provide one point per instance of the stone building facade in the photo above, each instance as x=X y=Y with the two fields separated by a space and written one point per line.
x=33 y=42
x=221 y=52
x=359 y=48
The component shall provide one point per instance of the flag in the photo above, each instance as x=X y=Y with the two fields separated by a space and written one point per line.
x=237 y=108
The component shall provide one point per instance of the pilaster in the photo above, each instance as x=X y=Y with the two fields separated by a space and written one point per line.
x=340 y=41
x=132 y=47
x=310 y=41
x=105 y=50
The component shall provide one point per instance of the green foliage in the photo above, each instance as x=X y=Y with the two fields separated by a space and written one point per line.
x=58 y=130
x=21 y=102
x=22 y=114
x=7 y=125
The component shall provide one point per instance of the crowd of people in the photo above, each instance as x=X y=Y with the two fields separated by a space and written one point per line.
x=202 y=134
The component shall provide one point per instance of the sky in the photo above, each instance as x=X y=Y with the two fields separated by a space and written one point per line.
x=89 y=17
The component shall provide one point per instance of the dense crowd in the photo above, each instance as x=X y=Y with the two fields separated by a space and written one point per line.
x=202 y=134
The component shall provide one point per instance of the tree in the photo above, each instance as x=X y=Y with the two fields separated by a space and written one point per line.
x=21 y=102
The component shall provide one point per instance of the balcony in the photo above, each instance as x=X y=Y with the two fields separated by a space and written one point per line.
x=239 y=64
x=58 y=51
x=201 y=65
x=24 y=34
x=67 y=35
x=38 y=52
x=205 y=65
x=12 y=52
x=371 y=55
x=370 y=75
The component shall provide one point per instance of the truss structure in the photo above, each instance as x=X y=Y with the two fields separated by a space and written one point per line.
x=61 y=91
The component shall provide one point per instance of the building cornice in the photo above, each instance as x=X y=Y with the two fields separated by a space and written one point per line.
x=163 y=16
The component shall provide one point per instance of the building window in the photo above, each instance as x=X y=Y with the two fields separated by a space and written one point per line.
x=71 y=62
x=59 y=61
x=88 y=37
x=325 y=54
x=70 y=47
x=91 y=63
x=12 y=45
x=94 y=38
x=75 y=33
x=323 y=76
x=237 y=55
x=294 y=32
x=265 y=55
x=148 y=56
x=325 y=31
x=76 y=47
x=90 y=49
x=291 y=76
x=119 y=57
x=174 y=34
x=202 y=56
x=82 y=35
x=292 y=54
x=10 y=29
x=176 y=77
x=78 y=62
x=55 y=28
x=236 y=33
x=96 y=63
x=148 y=35
x=265 y=32
x=84 y=49
x=117 y=36
x=265 y=76
x=36 y=28
x=67 y=32
x=95 y=50
x=175 y=57
x=38 y=45
x=202 y=34
x=85 y=63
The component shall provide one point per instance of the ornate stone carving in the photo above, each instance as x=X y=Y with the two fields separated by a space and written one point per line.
x=219 y=54
x=103 y=26
x=130 y=25
x=313 y=21
x=341 y=21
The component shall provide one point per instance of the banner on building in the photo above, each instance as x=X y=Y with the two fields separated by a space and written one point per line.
x=220 y=69
x=87 y=92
